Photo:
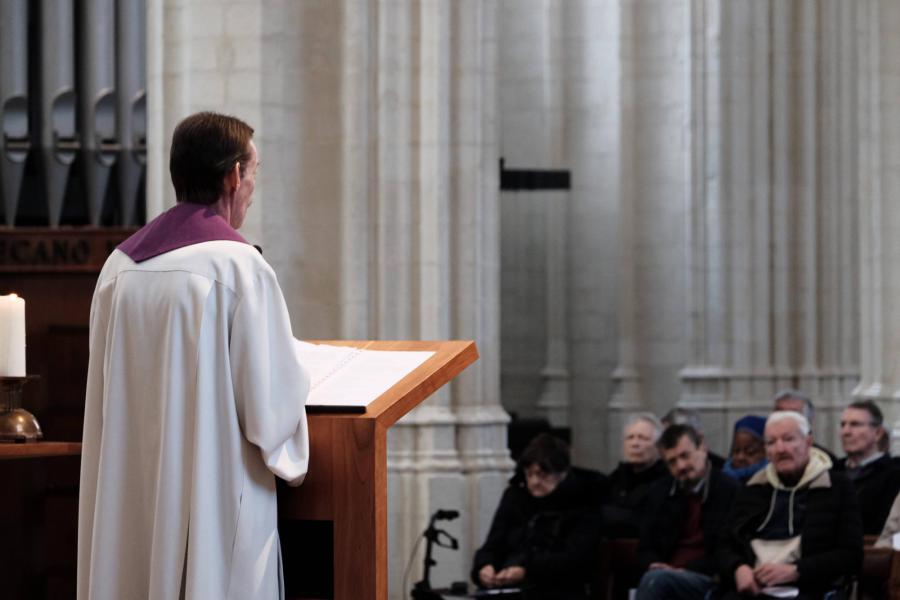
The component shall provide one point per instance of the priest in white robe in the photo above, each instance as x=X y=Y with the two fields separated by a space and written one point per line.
x=195 y=396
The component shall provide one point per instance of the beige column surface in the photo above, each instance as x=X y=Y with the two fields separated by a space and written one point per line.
x=879 y=219
x=714 y=214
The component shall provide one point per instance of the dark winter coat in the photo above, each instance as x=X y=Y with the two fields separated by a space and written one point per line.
x=831 y=544
x=554 y=538
x=876 y=487
x=622 y=516
x=665 y=515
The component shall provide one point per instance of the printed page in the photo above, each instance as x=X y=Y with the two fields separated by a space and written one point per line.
x=342 y=376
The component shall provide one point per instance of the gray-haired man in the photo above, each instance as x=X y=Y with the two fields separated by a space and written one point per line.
x=795 y=523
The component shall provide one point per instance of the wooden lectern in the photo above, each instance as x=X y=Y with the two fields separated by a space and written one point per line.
x=341 y=507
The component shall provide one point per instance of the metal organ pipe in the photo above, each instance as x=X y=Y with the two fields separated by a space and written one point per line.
x=58 y=142
x=132 y=104
x=14 y=126
x=97 y=100
x=93 y=113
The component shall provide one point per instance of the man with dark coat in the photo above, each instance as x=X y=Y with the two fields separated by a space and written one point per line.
x=875 y=475
x=545 y=532
x=685 y=515
x=630 y=482
x=796 y=523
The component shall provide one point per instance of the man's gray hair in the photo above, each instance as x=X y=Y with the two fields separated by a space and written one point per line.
x=683 y=416
x=647 y=417
x=809 y=410
x=789 y=415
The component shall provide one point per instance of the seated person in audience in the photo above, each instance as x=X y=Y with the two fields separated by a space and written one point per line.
x=630 y=481
x=748 y=453
x=796 y=523
x=546 y=530
x=796 y=401
x=686 y=416
x=684 y=519
x=874 y=474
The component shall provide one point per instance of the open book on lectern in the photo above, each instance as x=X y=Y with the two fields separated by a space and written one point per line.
x=347 y=378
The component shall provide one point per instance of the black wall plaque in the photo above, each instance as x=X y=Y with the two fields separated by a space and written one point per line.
x=533 y=179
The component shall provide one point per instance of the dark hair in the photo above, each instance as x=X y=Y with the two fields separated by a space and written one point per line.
x=673 y=434
x=872 y=408
x=550 y=453
x=205 y=147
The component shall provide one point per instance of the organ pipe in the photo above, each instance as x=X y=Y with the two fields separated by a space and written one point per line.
x=59 y=144
x=97 y=100
x=132 y=104
x=14 y=125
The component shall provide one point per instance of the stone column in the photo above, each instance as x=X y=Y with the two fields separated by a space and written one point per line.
x=771 y=216
x=535 y=369
x=828 y=362
x=420 y=251
x=730 y=235
x=193 y=64
x=627 y=396
x=592 y=34
x=555 y=394
x=878 y=25
x=475 y=288
x=549 y=70
x=651 y=208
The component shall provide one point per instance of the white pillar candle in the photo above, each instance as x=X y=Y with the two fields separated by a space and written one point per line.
x=12 y=336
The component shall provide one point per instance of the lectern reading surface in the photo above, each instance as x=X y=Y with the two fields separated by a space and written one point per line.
x=341 y=508
x=349 y=378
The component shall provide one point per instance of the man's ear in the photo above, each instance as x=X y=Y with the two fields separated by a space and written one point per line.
x=233 y=178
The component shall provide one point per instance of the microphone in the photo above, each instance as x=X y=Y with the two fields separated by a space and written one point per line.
x=445 y=515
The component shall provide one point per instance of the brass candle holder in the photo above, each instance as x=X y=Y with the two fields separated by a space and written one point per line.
x=17 y=425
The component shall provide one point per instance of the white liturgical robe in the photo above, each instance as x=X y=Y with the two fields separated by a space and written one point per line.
x=195 y=398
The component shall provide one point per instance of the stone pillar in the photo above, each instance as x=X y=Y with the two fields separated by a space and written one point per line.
x=194 y=64
x=772 y=213
x=475 y=288
x=730 y=236
x=421 y=252
x=592 y=35
x=533 y=139
x=627 y=396
x=651 y=302
x=535 y=367
x=878 y=25
x=829 y=364
x=555 y=394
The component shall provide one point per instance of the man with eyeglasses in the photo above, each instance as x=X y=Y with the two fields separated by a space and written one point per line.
x=875 y=475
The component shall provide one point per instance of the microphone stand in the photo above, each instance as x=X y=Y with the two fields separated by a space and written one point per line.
x=433 y=536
